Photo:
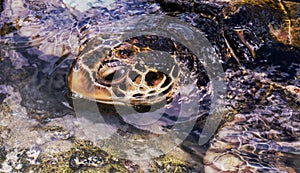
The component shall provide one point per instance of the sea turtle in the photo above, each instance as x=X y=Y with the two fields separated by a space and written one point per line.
x=55 y=33
x=33 y=43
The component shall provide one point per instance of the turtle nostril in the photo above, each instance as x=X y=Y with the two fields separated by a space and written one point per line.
x=111 y=63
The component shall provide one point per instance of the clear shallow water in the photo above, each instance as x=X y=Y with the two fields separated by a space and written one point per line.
x=263 y=127
x=84 y=6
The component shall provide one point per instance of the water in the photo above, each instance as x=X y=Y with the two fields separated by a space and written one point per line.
x=259 y=130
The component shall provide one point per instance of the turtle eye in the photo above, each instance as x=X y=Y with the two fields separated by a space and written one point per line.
x=125 y=52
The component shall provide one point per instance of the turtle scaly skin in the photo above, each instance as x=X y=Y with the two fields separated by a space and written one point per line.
x=125 y=75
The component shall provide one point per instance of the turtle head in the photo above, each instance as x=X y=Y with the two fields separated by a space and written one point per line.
x=119 y=76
